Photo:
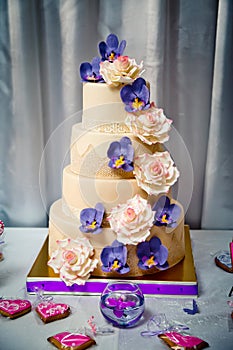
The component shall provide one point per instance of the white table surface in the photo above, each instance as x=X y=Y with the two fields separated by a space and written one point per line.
x=212 y=323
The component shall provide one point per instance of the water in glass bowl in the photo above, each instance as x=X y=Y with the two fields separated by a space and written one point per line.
x=123 y=307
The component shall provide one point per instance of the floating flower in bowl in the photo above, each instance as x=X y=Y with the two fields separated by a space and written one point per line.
x=122 y=303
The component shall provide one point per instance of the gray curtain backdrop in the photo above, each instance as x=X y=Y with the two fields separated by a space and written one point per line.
x=187 y=51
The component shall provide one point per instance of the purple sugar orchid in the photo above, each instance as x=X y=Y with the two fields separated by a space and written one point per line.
x=152 y=254
x=91 y=219
x=166 y=214
x=90 y=72
x=114 y=258
x=119 y=305
x=111 y=49
x=121 y=154
x=136 y=97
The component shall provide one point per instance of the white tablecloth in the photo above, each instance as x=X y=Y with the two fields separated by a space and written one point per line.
x=212 y=323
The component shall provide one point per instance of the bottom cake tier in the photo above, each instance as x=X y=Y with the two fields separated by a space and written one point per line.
x=62 y=226
x=179 y=281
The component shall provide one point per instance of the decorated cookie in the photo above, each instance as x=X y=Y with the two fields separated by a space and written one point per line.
x=223 y=260
x=49 y=312
x=1 y=227
x=71 y=341
x=14 y=308
x=179 y=341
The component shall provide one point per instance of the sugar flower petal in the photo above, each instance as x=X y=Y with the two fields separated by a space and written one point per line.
x=112 y=41
x=121 y=154
x=166 y=214
x=111 y=49
x=136 y=96
x=91 y=219
x=122 y=70
x=155 y=173
x=149 y=125
x=152 y=254
x=89 y=72
x=114 y=149
x=114 y=258
x=132 y=220
x=73 y=260
x=143 y=249
x=155 y=244
x=161 y=255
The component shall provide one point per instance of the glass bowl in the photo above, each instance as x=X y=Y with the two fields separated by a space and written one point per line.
x=122 y=303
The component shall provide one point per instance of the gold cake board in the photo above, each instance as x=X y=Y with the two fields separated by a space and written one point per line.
x=178 y=281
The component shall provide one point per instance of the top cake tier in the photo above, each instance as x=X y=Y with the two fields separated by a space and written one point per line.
x=103 y=109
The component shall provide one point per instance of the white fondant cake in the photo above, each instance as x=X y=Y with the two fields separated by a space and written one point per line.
x=116 y=217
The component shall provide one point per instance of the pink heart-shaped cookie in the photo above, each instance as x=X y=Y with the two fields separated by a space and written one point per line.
x=13 y=308
x=49 y=311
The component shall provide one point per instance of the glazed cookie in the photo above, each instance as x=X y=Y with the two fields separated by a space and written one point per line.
x=49 y=312
x=224 y=261
x=71 y=341
x=14 y=308
x=178 y=341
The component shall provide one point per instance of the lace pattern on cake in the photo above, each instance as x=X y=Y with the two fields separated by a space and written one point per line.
x=109 y=128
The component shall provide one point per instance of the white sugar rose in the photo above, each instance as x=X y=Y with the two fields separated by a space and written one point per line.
x=132 y=220
x=150 y=125
x=155 y=173
x=73 y=260
x=122 y=70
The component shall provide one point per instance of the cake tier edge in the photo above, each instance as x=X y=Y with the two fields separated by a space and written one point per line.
x=62 y=226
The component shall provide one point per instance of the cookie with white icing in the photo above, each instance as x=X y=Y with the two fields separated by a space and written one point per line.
x=223 y=260
x=71 y=341
x=14 y=308
x=50 y=311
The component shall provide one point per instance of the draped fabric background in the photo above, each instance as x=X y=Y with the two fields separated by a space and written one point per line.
x=187 y=51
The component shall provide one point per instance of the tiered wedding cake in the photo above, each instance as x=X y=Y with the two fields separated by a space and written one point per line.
x=116 y=217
